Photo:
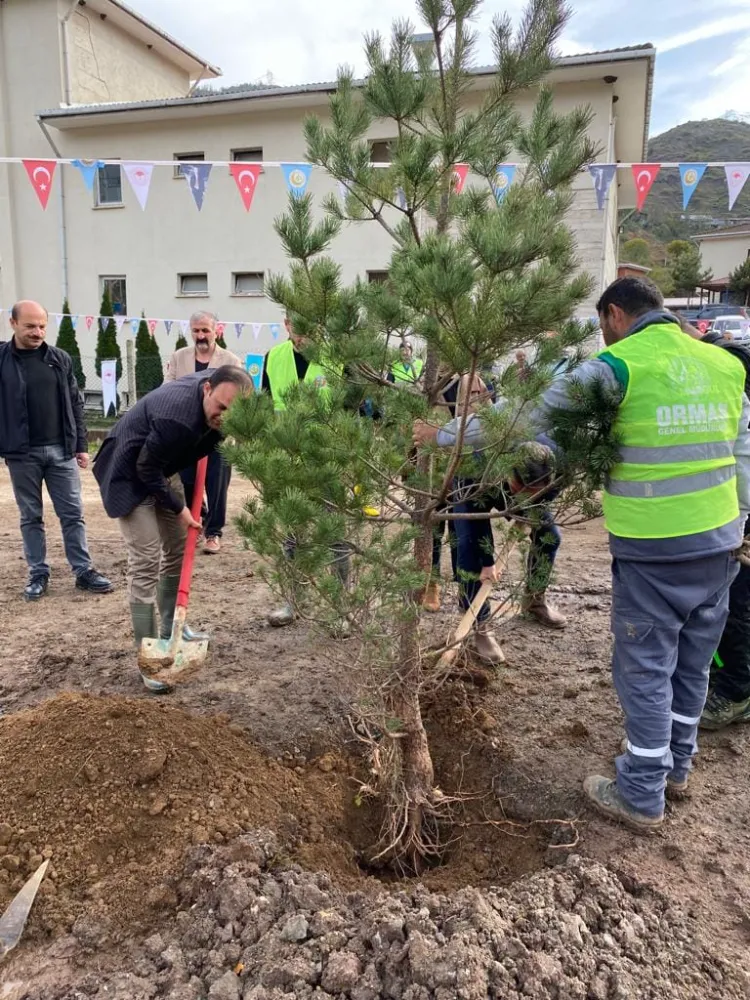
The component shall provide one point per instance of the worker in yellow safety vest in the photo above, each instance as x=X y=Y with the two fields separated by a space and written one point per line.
x=675 y=507
x=409 y=368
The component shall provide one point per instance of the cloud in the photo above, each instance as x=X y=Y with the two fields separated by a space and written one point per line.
x=714 y=29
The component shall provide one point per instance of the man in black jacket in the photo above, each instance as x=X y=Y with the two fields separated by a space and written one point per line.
x=137 y=470
x=43 y=440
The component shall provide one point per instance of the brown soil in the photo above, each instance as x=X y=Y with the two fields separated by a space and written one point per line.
x=519 y=748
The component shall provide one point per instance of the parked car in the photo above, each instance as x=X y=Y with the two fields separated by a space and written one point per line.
x=722 y=309
x=735 y=328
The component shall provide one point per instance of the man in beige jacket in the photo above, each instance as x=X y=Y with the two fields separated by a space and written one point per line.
x=203 y=355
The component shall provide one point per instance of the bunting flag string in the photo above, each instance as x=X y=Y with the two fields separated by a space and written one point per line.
x=153 y=323
x=297 y=176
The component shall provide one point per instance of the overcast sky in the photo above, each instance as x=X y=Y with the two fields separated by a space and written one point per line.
x=703 y=66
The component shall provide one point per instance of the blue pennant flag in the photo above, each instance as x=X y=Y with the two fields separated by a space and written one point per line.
x=254 y=368
x=297 y=176
x=74 y=321
x=196 y=175
x=134 y=324
x=88 y=170
x=168 y=325
x=401 y=198
x=503 y=179
x=602 y=174
x=690 y=175
x=275 y=330
x=238 y=328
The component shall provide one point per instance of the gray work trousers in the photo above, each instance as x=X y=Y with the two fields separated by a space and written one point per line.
x=667 y=620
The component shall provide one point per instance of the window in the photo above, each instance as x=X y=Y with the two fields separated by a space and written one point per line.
x=108 y=187
x=186 y=157
x=380 y=151
x=116 y=286
x=193 y=284
x=252 y=154
x=247 y=283
x=377 y=277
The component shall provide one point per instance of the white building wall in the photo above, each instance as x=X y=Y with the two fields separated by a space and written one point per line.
x=109 y=65
x=723 y=254
x=150 y=249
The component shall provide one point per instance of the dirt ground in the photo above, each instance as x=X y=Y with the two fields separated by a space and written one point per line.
x=121 y=789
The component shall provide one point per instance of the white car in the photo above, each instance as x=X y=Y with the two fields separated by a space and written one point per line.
x=735 y=328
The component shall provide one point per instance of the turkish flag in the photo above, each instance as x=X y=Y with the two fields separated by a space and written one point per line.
x=644 y=175
x=40 y=174
x=460 y=170
x=246 y=177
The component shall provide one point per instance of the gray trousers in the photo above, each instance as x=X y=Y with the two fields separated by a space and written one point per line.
x=48 y=465
x=667 y=620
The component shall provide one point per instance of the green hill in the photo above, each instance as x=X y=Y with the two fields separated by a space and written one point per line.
x=694 y=142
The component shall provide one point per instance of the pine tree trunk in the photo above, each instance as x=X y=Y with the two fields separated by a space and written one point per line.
x=418 y=777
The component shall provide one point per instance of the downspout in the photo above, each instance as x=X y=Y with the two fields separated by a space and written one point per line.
x=63 y=224
x=607 y=207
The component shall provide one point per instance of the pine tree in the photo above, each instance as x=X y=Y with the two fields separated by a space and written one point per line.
x=67 y=341
x=472 y=276
x=684 y=263
x=107 y=347
x=149 y=373
x=181 y=342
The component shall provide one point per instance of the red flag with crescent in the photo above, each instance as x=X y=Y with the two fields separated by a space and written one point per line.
x=460 y=171
x=644 y=175
x=40 y=174
x=246 y=178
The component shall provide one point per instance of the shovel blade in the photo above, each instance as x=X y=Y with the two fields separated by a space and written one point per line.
x=171 y=662
x=14 y=919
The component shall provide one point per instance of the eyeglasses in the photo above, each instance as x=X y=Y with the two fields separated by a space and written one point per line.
x=202 y=329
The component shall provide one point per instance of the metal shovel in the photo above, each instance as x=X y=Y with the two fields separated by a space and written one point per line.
x=14 y=919
x=174 y=660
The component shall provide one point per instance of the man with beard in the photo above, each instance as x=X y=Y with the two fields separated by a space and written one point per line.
x=203 y=356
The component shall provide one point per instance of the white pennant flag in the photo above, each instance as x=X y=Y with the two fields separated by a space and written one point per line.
x=343 y=190
x=109 y=386
x=119 y=321
x=184 y=323
x=257 y=327
x=58 y=317
x=139 y=175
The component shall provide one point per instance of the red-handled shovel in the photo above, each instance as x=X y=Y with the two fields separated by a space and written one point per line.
x=173 y=660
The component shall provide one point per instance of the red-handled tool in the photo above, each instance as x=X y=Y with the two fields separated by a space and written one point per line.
x=173 y=660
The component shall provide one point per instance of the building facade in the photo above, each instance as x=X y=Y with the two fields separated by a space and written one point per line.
x=116 y=88
x=724 y=250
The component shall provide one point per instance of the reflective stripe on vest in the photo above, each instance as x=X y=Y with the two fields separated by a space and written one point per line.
x=677 y=425
x=282 y=373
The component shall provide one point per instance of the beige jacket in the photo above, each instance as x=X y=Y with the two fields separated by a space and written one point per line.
x=182 y=362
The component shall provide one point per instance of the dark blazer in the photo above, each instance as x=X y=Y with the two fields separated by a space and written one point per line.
x=14 y=416
x=165 y=432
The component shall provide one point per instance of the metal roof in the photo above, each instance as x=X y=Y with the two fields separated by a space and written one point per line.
x=739 y=229
x=605 y=56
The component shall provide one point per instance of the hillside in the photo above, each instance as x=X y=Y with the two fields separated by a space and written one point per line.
x=699 y=142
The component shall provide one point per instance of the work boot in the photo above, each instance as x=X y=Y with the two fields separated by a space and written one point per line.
x=720 y=712
x=281 y=616
x=431 y=599
x=143 y=617
x=676 y=787
x=606 y=799
x=485 y=645
x=537 y=607
x=94 y=582
x=36 y=588
x=212 y=545
x=166 y=597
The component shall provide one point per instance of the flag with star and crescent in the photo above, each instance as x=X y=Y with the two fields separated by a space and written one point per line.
x=246 y=178
x=40 y=174
x=644 y=175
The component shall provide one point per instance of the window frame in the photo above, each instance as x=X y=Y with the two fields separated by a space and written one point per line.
x=247 y=149
x=98 y=203
x=248 y=295
x=182 y=294
x=114 y=277
x=196 y=157
x=381 y=142
x=378 y=276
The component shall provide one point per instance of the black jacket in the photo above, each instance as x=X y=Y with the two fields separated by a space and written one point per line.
x=740 y=351
x=165 y=432
x=14 y=418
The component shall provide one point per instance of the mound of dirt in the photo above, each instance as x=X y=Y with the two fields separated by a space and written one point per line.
x=245 y=930
x=116 y=790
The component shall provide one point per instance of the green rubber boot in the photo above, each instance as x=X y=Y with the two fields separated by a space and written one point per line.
x=143 y=617
x=166 y=596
